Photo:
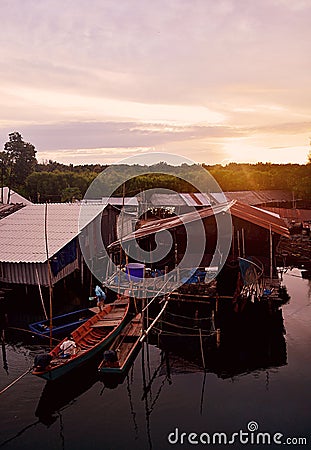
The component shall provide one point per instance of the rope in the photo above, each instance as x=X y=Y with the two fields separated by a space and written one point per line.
x=201 y=346
x=178 y=326
x=148 y=304
x=15 y=381
x=33 y=332
x=174 y=333
x=187 y=317
x=145 y=333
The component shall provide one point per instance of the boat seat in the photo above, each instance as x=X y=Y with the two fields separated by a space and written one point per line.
x=106 y=323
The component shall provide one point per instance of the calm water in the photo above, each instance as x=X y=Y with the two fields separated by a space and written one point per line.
x=84 y=412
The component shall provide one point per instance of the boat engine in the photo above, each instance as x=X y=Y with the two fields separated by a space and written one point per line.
x=42 y=361
x=110 y=356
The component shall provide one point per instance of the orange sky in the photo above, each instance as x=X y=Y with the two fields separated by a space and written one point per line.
x=214 y=81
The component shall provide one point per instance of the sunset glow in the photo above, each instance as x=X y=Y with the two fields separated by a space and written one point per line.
x=94 y=82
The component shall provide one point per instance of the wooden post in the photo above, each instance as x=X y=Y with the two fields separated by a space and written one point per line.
x=165 y=274
x=201 y=346
x=271 y=253
x=49 y=274
x=218 y=337
x=243 y=243
x=82 y=270
x=176 y=249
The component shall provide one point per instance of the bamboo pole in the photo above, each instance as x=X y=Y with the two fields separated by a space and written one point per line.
x=243 y=243
x=201 y=346
x=145 y=333
x=41 y=296
x=271 y=252
x=16 y=380
x=238 y=238
x=49 y=273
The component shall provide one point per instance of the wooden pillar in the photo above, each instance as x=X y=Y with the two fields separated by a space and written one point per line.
x=218 y=337
x=243 y=243
x=271 y=252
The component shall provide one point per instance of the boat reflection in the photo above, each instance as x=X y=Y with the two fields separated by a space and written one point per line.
x=58 y=394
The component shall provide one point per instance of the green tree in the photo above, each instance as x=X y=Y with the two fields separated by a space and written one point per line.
x=19 y=160
x=70 y=194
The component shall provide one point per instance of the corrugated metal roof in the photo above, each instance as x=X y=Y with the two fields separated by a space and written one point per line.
x=196 y=199
x=259 y=217
x=299 y=215
x=167 y=200
x=237 y=209
x=116 y=201
x=14 y=197
x=128 y=201
x=22 y=237
x=6 y=210
x=204 y=199
x=258 y=197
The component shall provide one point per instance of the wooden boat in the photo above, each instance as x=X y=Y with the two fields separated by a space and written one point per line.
x=91 y=337
x=121 y=352
x=62 y=324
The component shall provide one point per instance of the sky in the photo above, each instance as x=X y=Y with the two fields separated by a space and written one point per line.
x=96 y=81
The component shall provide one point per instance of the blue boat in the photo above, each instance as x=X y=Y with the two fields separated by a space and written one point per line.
x=62 y=324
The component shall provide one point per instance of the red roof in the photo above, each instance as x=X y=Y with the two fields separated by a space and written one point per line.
x=237 y=209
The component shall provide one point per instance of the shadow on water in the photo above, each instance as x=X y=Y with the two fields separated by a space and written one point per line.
x=247 y=342
x=60 y=393
x=4 y=357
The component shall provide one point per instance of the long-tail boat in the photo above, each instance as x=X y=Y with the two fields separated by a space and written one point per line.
x=91 y=337
x=123 y=349
x=62 y=324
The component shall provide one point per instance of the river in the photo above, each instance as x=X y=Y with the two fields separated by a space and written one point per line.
x=163 y=399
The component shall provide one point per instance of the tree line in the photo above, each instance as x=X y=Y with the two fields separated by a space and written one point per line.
x=55 y=182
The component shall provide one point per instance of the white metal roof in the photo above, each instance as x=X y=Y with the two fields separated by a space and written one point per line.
x=22 y=234
x=14 y=197
x=128 y=201
x=118 y=201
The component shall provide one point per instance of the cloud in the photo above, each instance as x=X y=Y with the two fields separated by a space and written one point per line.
x=116 y=134
x=177 y=74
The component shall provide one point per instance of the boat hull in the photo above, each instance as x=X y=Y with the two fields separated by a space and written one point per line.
x=123 y=368
x=77 y=361
x=59 y=367
x=126 y=346
x=75 y=319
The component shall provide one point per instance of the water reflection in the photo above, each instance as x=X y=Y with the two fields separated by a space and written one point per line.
x=4 y=357
x=245 y=345
x=63 y=392
x=167 y=386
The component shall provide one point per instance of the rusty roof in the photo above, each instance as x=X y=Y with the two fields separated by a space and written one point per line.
x=299 y=215
x=259 y=197
x=256 y=216
x=22 y=234
x=196 y=199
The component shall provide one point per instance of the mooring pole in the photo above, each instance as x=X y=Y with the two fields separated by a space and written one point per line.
x=271 y=253
x=49 y=273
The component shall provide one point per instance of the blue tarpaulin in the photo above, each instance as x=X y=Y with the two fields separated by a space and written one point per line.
x=64 y=257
